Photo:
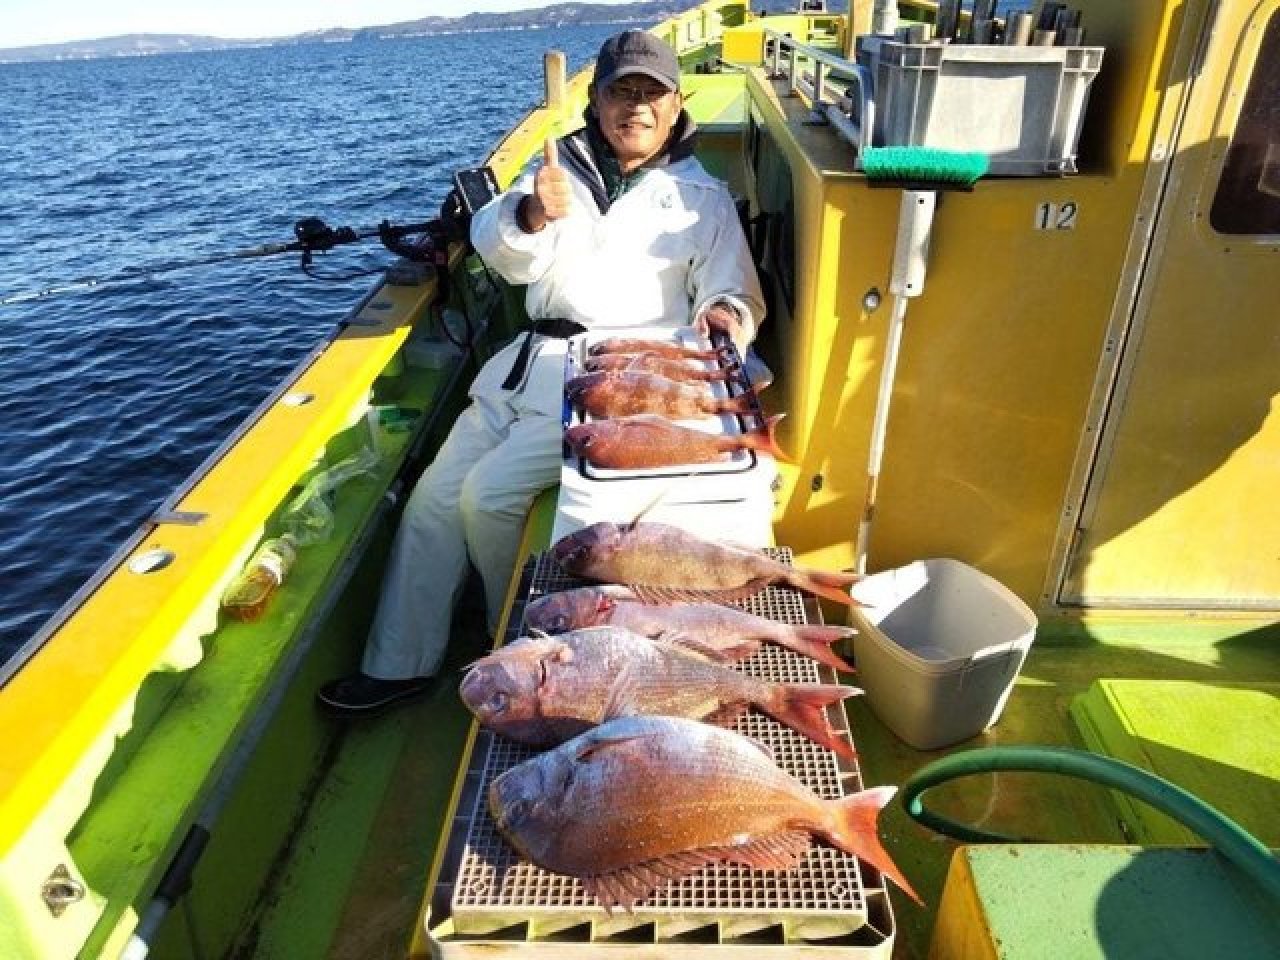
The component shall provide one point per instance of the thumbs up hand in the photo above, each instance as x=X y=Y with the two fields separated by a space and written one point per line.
x=552 y=195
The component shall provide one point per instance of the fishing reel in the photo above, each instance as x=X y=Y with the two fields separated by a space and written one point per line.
x=424 y=249
x=314 y=235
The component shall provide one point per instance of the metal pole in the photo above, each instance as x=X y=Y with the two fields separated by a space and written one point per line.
x=910 y=258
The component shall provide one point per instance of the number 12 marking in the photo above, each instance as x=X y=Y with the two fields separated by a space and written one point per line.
x=1057 y=216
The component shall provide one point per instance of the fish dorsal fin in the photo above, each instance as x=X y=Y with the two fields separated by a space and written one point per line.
x=691 y=644
x=737 y=651
x=653 y=596
x=647 y=508
x=620 y=702
x=668 y=595
x=595 y=746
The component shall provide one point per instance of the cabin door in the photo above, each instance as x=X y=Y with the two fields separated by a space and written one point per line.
x=1182 y=508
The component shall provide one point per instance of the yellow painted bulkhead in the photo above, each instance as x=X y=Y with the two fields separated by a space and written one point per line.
x=1009 y=355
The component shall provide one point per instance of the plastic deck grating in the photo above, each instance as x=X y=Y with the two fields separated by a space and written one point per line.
x=829 y=896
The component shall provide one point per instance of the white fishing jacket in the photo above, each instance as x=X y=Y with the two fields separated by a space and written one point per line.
x=665 y=250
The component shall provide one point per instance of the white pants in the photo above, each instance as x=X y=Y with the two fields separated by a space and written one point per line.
x=470 y=503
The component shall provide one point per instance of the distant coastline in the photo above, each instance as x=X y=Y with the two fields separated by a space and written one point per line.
x=541 y=18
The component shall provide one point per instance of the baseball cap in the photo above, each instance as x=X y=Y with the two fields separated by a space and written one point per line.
x=635 y=51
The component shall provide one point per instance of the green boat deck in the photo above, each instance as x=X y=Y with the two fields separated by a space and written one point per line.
x=1047 y=902
x=1216 y=739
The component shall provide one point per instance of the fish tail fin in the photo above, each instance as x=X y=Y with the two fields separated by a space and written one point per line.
x=856 y=832
x=802 y=707
x=833 y=586
x=765 y=439
x=815 y=643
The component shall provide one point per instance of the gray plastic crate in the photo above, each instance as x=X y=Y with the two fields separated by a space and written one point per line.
x=1022 y=106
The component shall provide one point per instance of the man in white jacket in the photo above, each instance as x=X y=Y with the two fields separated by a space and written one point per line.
x=620 y=227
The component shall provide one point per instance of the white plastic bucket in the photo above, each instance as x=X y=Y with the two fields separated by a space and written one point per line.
x=939 y=647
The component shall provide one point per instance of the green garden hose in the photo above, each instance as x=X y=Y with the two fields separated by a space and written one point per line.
x=1226 y=836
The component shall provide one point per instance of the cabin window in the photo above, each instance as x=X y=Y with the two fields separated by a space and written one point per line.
x=1248 y=197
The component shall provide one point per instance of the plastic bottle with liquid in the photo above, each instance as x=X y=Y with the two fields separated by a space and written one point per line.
x=247 y=597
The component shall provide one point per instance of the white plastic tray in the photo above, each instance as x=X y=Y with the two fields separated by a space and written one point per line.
x=705 y=499
x=725 y=424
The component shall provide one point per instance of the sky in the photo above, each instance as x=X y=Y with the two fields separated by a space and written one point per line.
x=27 y=22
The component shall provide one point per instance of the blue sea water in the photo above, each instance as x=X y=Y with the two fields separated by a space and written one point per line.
x=110 y=398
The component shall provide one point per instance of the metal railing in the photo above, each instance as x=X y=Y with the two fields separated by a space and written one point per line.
x=839 y=91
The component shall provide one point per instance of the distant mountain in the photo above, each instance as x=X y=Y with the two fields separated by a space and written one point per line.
x=129 y=45
x=559 y=15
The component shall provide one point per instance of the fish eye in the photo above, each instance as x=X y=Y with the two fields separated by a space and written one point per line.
x=559 y=623
x=498 y=702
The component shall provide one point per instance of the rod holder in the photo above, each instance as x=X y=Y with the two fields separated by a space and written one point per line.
x=553 y=76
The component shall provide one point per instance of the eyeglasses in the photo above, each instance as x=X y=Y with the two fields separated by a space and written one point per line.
x=635 y=92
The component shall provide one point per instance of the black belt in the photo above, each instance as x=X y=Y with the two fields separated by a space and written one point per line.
x=557 y=327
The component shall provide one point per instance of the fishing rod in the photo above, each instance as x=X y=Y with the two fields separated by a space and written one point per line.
x=313 y=236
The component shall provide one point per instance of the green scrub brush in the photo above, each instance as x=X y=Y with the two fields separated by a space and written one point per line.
x=923 y=168
x=921 y=172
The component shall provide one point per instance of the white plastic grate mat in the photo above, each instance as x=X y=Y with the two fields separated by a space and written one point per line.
x=826 y=897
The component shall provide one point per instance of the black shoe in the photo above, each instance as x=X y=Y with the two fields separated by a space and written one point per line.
x=360 y=695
